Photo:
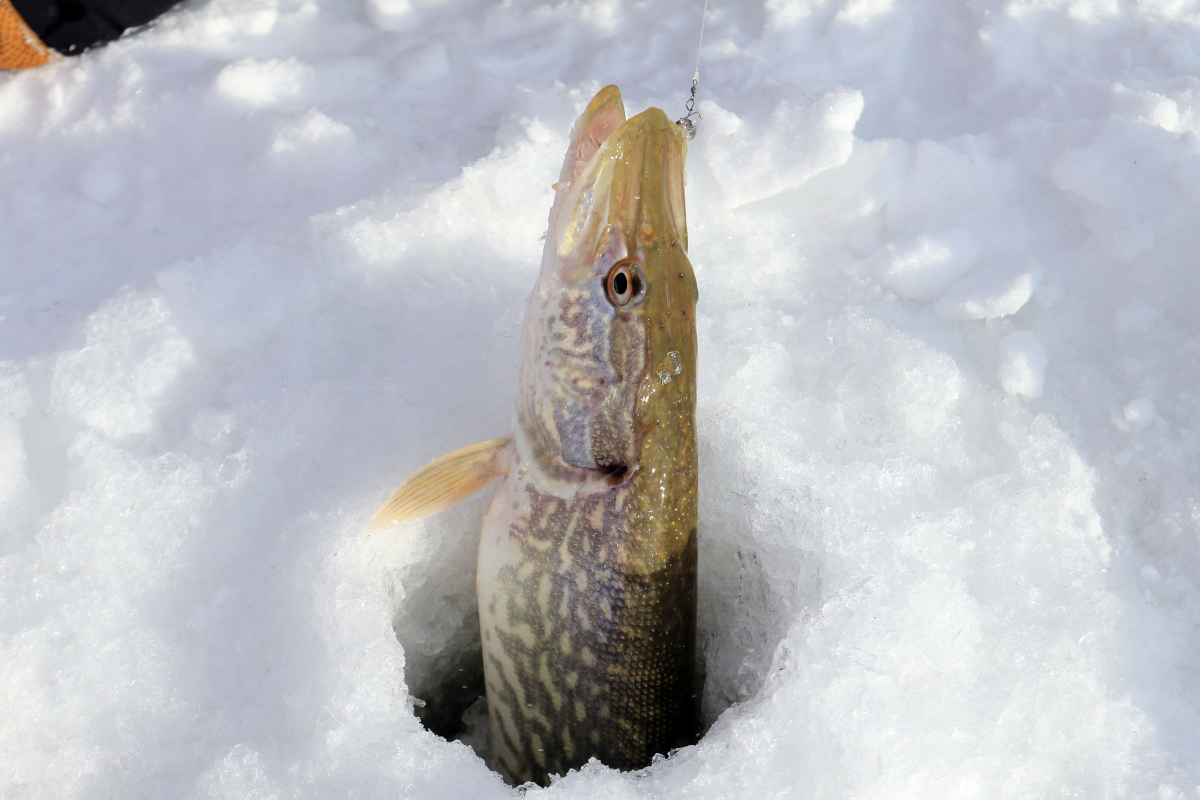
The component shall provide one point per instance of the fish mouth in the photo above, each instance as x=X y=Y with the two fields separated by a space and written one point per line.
x=645 y=155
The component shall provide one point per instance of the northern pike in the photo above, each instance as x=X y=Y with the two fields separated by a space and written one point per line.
x=586 y=577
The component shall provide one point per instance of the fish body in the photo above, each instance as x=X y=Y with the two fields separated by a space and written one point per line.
x=586 y=573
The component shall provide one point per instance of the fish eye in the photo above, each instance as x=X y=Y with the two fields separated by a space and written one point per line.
x=624 y=283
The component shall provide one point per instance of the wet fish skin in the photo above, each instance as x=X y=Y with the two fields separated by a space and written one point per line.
x=586 y=573
x=587 y=584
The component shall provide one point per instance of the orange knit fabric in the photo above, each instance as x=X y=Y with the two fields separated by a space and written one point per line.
x=20 y=48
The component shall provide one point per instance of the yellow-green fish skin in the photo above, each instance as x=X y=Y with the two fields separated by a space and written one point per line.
x=587 y=562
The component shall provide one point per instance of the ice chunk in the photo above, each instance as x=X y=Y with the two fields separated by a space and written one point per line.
x=761 y=157
x=990 y=293
x=229 y=22
x=1151 y=106
x=263 y=83
x=960 y=187
x=390 y=15
x=315 y=132
x=1123 y=183
x=922 y=267
x=134 y=355
x=1140 y=412
x=1022 y=366
x=17 y=105
x=481 y=193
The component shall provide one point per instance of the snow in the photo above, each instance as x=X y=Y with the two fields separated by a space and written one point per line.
x=266 y=257
x=1022 y=368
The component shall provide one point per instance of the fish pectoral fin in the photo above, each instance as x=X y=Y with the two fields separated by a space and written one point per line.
x=442 y=483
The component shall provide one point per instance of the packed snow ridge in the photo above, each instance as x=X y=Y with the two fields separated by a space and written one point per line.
x=266 y=257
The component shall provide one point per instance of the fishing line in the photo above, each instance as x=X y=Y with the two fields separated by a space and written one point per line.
x=686 y=122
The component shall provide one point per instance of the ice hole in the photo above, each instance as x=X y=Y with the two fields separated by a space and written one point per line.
x=759 y=575
x=436 y=617
x=755 y=581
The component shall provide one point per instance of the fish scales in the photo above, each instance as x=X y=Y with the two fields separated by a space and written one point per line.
x=616 y=641
x=586 y=573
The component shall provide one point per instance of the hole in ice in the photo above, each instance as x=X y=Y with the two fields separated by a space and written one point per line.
x=436 y=619
x=760 y=572
x=754 y=584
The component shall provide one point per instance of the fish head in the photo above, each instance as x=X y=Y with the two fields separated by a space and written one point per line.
x=611 y=321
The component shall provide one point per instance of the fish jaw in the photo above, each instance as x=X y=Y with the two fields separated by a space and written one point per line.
x=581 y=415
x=603 y=115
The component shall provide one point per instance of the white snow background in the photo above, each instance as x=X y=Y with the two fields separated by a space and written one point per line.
x=266 y=257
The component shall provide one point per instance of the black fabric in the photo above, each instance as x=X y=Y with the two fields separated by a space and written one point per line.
x=71 y=26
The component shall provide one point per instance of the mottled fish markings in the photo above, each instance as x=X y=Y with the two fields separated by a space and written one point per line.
x=587 y=559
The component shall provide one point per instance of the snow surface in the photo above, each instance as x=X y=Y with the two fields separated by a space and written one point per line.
x=266 y=257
